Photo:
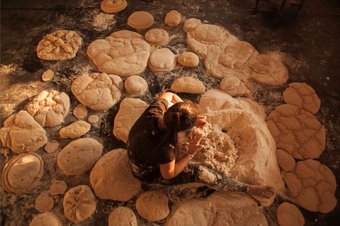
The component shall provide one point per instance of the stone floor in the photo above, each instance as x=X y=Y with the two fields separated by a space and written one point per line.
x=308 y=44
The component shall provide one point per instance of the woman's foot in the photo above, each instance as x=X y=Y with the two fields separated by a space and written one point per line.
x=261 y=191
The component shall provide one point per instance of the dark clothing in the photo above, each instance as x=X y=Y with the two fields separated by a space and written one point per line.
x=146 y=143
x=148 y=147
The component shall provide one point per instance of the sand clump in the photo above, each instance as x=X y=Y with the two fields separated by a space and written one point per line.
x=172 y=18
x=80 y=111
x=79 y=203
x=140 y=20
x=58 y=187
x=130 y=110
x=44 y=203
x=135 y=85
x=188 y=59
x=162 y=60
x=98 y=91
x=49 y=107
x=75 y=129
x=21 y=133
x=113 y=6
x=79 y=156
x=157 y=36
x=153 y=205
x=288 y=214
x=123 y=53
x=111 y=178
x=46 y=219
x=59 y=45
x=188 y=85
x=22 y=173
x=122 y=216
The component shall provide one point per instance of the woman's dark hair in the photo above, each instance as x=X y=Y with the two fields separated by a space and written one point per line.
x=180 y=117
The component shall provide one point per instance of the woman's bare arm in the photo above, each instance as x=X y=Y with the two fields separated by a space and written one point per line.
x=171 y=98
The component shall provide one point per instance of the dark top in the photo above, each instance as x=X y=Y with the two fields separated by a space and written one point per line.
x=147 y=145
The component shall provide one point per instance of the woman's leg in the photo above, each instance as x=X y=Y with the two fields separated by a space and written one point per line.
x=201 y=174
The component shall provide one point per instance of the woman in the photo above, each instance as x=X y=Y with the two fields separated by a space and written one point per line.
x=153 y=147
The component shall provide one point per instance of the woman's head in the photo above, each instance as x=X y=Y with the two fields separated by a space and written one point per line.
x=181 y=116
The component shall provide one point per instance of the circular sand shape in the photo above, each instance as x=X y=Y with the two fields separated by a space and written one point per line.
x=130 y=110
x=191 y=24
x=80 y=111
x=209 y=33
x=188 y=59
x=75 y=130
x=302 y=96
x=59 y=45
x=296 y=131
x=79 y=156
x=122 y=216
x=313 y=186
x=21 y=133
x=157 y=36
x=162 y=60
x=234 y=86
x=135 y=85
x=123 y=53
x=22 y=173
x=46 y=219
x=285 y=160
x=111 y=178
x=79 y=203
x=140 y=20
x=173 y=18
x=47 y=75
x=44 y=203
x=268 y=71
x=237 y=54
x=49 y=107
x=51 y=146
x=113 y=6
x=188 y=85
x=58 y=187
x=98 y=91
x=153 y=205
x=288 y=215
x=93 y=119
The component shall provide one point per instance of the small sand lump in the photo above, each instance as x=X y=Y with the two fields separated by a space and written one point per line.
x=44 y=203
x=157 y=36
x=93 y=119
x=285 y=160
x=79 y=156
x=135 y=85
x=59 y=45
x=80 y=111
x=122 y=216
x=288 y=215
x=153 y=205
x=191 y=24
x=302 y=96
x=21 y=133
x=98 y=91
x=162 y=60
x=75 y=130
x=188 y=85
x=58 y=187
x=79 y=203
x=46 y=219
x=140 y=20
x=113 y=6
x=49 y=107
x=51 y=146
x=188 y=59
x=22 y=173
x=172 y=18
x=47 y=75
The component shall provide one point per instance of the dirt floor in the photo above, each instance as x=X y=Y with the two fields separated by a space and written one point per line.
x=308 y=45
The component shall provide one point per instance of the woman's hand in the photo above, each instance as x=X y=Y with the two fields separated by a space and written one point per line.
x=201 y=120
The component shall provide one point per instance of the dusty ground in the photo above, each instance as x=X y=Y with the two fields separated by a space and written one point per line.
x=308 y=46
